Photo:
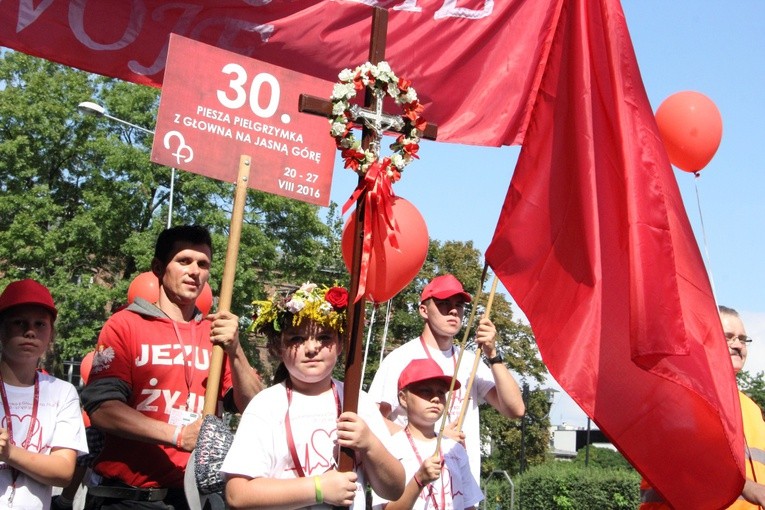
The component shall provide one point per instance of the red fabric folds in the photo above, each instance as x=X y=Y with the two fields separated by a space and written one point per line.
x=474 y=63
x=594 y=245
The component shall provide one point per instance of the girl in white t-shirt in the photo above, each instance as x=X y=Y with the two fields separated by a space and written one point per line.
x=41 y=428
x=285 y=452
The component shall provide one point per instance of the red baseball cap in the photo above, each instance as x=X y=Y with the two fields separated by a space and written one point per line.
x=425 y=369
x=444 y=286
x=27 y=292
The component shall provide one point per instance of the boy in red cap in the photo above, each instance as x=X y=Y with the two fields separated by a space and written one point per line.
x=436 y=479
x=41 y=431
x=442 y=306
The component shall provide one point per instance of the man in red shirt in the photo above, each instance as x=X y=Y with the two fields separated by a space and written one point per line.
x=147 y=383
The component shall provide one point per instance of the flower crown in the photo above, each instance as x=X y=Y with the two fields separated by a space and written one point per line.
x=324 y=305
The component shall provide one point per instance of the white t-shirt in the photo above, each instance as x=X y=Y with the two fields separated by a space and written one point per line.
x=260 y=447
x=58 y=425
x=385 y=389
x=456 y=489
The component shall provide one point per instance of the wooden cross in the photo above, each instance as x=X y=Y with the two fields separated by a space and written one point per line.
x=375 y=121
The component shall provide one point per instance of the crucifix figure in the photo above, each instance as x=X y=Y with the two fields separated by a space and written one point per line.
x=375 y=122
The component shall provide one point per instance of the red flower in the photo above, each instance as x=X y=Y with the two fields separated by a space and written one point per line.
x=403 y=84
x=411 y=149
x=357 y=83
x=337 y=297
x=352 y=157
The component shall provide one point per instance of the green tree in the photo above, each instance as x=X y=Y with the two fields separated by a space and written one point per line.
x=81 y=203
x=753 y=386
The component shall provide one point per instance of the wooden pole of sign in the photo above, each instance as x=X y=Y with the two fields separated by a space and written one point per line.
x=227 y=285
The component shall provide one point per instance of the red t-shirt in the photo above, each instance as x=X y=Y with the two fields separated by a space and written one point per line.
x=166 y=364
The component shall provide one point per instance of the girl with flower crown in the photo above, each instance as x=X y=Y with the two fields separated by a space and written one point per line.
x=286 y=448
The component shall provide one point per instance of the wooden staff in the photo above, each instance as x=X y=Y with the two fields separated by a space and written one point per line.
x=477 y=360
x=465 y=336
x=227 y=285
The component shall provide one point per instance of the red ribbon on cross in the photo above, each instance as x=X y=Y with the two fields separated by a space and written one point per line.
x=379 y=222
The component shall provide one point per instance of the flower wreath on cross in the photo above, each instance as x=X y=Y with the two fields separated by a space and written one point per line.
x=380 y=78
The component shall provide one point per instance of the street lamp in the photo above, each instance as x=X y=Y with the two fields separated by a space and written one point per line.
x=90 y=108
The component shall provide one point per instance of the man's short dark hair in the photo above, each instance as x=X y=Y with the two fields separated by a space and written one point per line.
x=724 y=310
x=191 y=234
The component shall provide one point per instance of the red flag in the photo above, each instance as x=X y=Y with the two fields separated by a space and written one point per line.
x=594 y=245
x=474 y=63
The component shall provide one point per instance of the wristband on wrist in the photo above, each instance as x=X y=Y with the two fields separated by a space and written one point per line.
x=178 y=436
x=317 y=488
x=417 y=481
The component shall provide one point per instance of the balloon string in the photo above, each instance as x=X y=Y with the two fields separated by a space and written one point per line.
x=385 y=330
x=366 y=349
x=704 y=236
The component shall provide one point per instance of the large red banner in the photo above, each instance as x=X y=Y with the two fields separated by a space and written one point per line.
x=476 y=62
x=594 y=244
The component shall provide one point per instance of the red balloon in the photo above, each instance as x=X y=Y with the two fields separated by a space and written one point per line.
x=85 y=365
x=146 y=286
x=205 y=299
x=391 y=270
x=691 y=128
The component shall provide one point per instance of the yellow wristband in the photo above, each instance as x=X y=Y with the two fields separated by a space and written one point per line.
x=317 y=487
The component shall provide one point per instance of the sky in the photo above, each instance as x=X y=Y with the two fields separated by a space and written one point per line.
x=707 y=46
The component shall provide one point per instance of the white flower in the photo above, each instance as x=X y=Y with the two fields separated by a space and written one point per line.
x=338 y=91
x=410 y=96
x=325 y=308
x=307 y=287
x=397 y=160
x=339 y=107
x=295 y=305
x=342 y=91
x=337 y=129
x=346 y=75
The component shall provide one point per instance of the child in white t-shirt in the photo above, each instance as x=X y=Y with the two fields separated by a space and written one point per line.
x=285 y=452
x=436 y=479
x=41 y=428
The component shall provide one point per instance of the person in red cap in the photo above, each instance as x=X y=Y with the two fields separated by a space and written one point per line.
x=41 y=431
x=442 y=307
x=438 y=474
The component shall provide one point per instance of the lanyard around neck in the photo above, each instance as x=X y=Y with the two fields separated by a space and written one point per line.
x=188 y=365
x=431 y=496
x=9 y=426
x=288 y=425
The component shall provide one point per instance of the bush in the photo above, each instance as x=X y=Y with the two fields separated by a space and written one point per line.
x=564 y=486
